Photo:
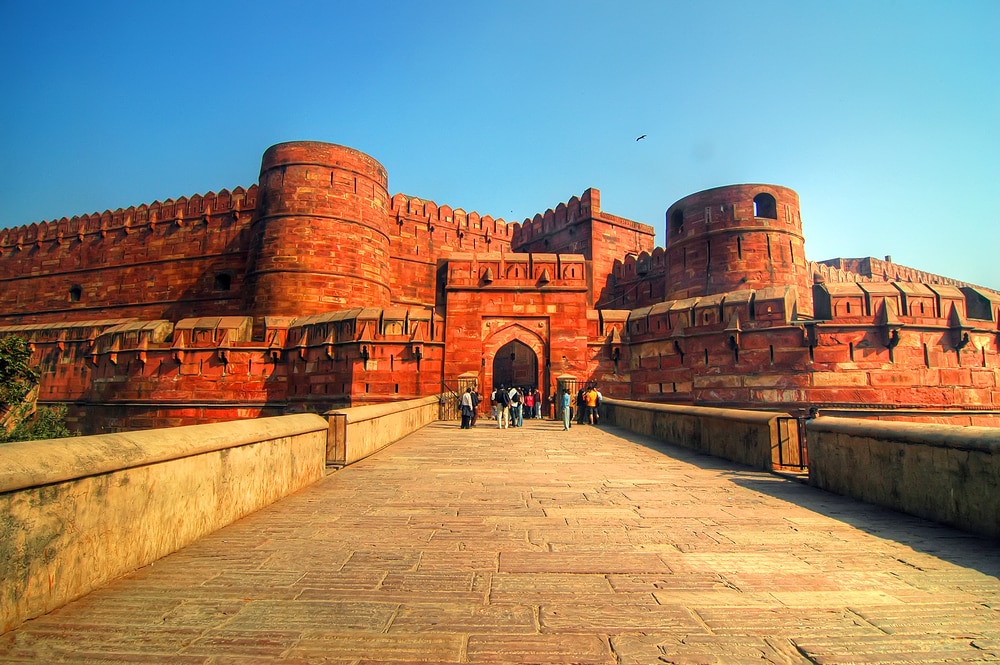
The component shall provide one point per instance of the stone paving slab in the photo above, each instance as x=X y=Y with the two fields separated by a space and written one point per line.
x=537 y=545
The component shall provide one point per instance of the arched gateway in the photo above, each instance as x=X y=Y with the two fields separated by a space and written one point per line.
x=515 y=356
x=515 y=364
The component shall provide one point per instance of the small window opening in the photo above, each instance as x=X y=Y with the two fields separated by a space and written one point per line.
x=739 y=247
x=850 y=350
x=706 y=356
x=677 y=222
x=765 y=206
x=771 y=349
x=223 y=281
x=75 y=293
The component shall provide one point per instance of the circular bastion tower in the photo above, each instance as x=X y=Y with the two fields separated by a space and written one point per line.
x=320 y=235
x=734 y=238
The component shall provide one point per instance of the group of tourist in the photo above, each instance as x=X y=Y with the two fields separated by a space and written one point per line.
x=512 y=405
x=470 y=408
x=588 y=403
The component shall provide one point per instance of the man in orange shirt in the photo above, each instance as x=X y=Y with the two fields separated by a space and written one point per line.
x=590 y=399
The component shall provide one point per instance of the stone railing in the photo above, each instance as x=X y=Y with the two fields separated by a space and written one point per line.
x=943 y=473
x=77 y=513
x=746 y=437
x=358 y=432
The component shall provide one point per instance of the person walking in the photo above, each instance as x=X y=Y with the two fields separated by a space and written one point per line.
x=590 y=400
x=538 y=403
x=475 y=407
x=597 y=409
x=467 y=408
x=529 y=403
x=581 y=407
x=566 y=399
x=503 y=408
x=516 y=407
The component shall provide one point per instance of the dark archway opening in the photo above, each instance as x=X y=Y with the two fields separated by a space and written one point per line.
x=515 y=364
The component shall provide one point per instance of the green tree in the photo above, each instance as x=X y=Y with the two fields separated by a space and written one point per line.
x=17 y=378
x=46 y=423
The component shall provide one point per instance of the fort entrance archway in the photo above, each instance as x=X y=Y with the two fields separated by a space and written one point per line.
x=515 y=364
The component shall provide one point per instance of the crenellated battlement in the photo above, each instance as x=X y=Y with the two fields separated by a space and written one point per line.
x=236 y=205
x=428 y=216
x=640 y=265
x=552 y=221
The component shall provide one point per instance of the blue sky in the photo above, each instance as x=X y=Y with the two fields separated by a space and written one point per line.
x=883 y=115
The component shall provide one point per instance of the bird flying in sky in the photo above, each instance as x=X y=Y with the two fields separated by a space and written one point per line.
x=641 y=137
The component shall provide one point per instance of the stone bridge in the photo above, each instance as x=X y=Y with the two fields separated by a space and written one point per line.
x=525 y=545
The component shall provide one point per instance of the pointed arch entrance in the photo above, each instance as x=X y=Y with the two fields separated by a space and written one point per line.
x=515 y=364
x=515 y=354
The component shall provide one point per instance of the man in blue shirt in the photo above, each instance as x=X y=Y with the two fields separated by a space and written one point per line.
x=565 y=407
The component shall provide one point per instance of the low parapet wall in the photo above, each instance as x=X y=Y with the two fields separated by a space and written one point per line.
x=77 y=513
x=746 y=437
x=942 y=473
x=358 y=432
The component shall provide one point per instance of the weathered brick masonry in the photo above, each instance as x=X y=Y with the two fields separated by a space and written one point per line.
x=316 y=288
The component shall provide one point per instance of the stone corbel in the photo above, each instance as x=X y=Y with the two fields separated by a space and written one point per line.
x=178 y=349
x=733 y=331
x=958 y=329
x=889 y=325
x=809 y=336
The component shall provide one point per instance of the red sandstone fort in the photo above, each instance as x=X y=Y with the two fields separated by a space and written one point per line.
x=315 y=289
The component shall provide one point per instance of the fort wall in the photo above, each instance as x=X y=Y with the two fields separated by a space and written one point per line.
x=169 y=259
x=424 y=234
x=888 y=351
x=315 y=290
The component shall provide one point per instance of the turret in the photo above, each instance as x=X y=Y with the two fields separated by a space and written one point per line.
x=734 y=238
x=320 y=236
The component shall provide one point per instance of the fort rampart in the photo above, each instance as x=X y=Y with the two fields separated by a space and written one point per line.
x=315 y=289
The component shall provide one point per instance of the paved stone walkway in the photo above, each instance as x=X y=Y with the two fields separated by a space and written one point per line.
x=543 y=546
